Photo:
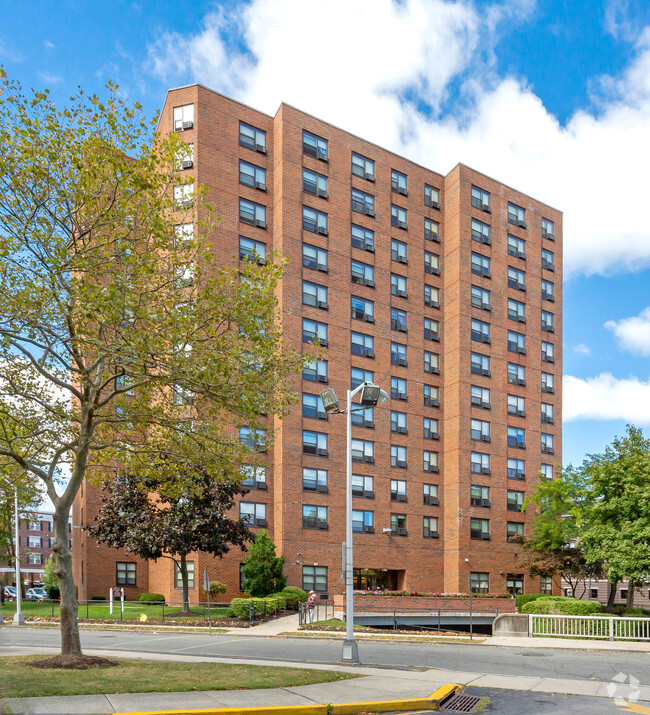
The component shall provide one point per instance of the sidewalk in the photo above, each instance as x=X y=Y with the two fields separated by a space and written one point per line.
x=569 y=643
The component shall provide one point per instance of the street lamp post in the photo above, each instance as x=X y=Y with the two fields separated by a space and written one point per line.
x=19 y=617
x=371 y=395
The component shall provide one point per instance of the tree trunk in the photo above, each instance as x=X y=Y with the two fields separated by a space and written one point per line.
x=186 y=584
x=611 y=598
x=70 y=641
x=629 y=602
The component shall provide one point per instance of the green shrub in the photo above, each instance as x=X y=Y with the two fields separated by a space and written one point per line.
x=524 y=598
x=98 y=598
x=240 y=607
x=53 y=592
x=151 y=597
x=217 y=588
x=300 y=595
x=560 y=606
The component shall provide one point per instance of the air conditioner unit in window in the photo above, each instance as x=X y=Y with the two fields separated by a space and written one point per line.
x=485 y=207
x=260 y=185
x=370 y=212
x=321 y=488
x=485 y=438
x=188 y=164
x=321 y=452
x=433 y=534
x=401 y=224
x=188 y=125
x=401 y=532
x=321 y=303
x=521 y=413
x=485 y=470
x=368 y=529
x=321 y=378
x=368 y=494
x=369 y=176
x=322 y=525
x=485 y=537
x=485 y=502
x=322 y=230
x=261 y=148
x=260 y=223
x=260 y=522
x=401 y=497
x=260 y=485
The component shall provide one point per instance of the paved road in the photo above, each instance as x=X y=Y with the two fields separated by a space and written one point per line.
x=569 y=664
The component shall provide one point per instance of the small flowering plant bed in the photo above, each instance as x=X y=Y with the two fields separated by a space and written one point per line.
x=427 y=594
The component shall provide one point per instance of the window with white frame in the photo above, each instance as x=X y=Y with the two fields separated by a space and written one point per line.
x=398 y=490
x=184 y=118
x=362 y=274
x=480 y=364
x=516 y=215
x=363 y=521
x=481 y=298
x=480 y=430
x=516 y=374
x=548 y=229
x=398 y=251
x=547 y=383
x=546 y=470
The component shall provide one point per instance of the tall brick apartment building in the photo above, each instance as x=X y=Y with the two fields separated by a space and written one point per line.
x=446 y=290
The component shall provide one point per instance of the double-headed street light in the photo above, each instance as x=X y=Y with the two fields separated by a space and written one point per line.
x=371 y=395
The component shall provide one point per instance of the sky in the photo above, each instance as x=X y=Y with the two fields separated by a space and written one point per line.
x=549 y=96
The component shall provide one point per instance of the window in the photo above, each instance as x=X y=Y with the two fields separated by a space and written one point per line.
x=397 y=456
x=35 y=559
x=548 y=292
x=314 y=578
x=547 y=413
x=430 y=461
x=548 y=229
x=314 y=443
x=516 y=310
x=397 y=490
x=398 y=182
x=480 y=199
x=431 y=230
x=252 y=214
x=398 y=524
x=516 y=374
x=252 y=513
x=481 y=298
x=314 y=295
x=313 y=331
x=516 y=278
x=397 y=216
x=516 y=215
x=430 y=494
x=363 y=345
x=398 y=320
x=516 y=406
x=430 y=428
x=363 y=451
x=546 y=471
x=315 y=371
x=313 y=183
x=363 y=167
x=314 y=221
x=480 y=232
x=431 y=296
x=431 y=263
x=358 y=375
x=431 y=196
x=431 y=396
x=35 y=526
x=183 y=118
x=125 y=574
x=480 y=265
x=514 y=530
x=431 y=363
x=515 y=584
x=252 y=138
x=254 y=477
x=548 y=260
x=516 y=437
x=183 y=196
x=480 y=331
x=480 y=397
x=182 y=396
x=479 y=582
x=183 y=275
x=251 y=175
x=430 y=527
x=480 y=529
x=34 y=542
x=363 y=203
x=548 y=322
x=547 y=352
x=314 y=146
x=362 y=274
x=363 y=521
x=314 y=258
x=363 y=238
x=363 y=486
x=547 y=383
x=398 y=388
x=312 y=406
x=516 y=469
x=398 y=354
x=479 y=495
x=184 y=235
x=480 y=430
x=431 y=329
x=546 y=585
x=516 y=247
x=314 y=517
x=398 y=422
x=251 y=250
x=547 y=443
x=178 y=576
x=398 y=285
x=254 y=439
x=480 y=364
x=516 y=342
x=479 y=463
x=398 y=251
x=515 y=500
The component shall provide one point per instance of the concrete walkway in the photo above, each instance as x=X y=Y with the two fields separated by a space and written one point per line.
x=569 y=643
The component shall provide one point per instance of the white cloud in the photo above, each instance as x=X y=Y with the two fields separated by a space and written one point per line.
x=606 y=398
x=49 y=78
x=48 y=45
x=617 y=21
x=633 y=334
x=383 y=66
x=582 y=349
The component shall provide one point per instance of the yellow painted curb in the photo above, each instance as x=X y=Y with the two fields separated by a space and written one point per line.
x=430 y=703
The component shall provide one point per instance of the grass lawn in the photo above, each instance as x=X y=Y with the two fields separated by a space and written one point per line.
x=100 y=610
x=20 y=680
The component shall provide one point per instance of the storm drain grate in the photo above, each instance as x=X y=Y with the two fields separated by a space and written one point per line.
x=461 y=704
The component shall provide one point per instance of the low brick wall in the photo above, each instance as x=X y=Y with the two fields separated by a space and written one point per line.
x=371 y=602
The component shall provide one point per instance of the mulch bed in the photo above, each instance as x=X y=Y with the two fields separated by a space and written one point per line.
x=74 y=662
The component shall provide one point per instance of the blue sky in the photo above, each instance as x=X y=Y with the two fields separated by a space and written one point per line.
x=550 y=96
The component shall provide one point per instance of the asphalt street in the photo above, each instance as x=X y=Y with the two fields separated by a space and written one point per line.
x=569 y=664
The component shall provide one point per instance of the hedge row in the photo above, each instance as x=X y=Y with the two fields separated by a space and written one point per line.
x=240 y=607
x=525 y=598
x=151 y=597
x=562 y=606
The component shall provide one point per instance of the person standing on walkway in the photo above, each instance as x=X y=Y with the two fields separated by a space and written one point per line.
x=311 y=606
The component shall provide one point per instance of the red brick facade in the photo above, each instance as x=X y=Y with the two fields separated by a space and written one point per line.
x=410 y=604
x=443 y=262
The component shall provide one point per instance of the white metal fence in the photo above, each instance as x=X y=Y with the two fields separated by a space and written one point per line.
x=602 y=627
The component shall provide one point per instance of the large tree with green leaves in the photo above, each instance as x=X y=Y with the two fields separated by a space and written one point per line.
x=123 y=345
x=263 y=571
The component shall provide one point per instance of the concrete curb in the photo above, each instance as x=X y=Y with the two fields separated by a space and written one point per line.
x=433 y=702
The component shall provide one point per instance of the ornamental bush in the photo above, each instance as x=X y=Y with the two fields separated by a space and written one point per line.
x=98 y=598
x=294 y=596
x=524 y=598
x=151 y=597
x=560 y=606
x=240 y=607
